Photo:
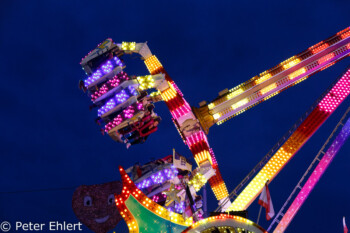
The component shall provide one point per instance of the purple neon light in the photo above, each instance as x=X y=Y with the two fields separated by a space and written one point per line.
x=314 y=178
x=105 y=68
x=119 y=98
x=105 y=108
x=158 y=178
x=180 y=207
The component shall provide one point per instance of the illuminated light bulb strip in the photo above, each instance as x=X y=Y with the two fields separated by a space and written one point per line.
x=234 y=93
x=153 y=65
x=175 y=87
x=319 y=47
x=133 y=204
x=202 y=156
x=345 y=33
x=314 y=178
x=229 y=96
x=286 y=64
x=325 y=107
x=216 y=182
x=280 y=158
x=326 y=43
x=290 y=62
x=196 y=138
x=220 y=190
x=217 y=116
x=175 y=102
x=216 y=219
x=179 y=107
x=297 y=73
x=326 y=58
x=263 y=78
x=128 y=46
x=284 y=83
x=213 y=158
x=338 y=93
x=268 y=89
x=104 y=69
x=199 y=147
x=168 y=94
x=181 y=111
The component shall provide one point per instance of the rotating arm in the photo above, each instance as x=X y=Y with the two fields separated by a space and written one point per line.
x=260 y=88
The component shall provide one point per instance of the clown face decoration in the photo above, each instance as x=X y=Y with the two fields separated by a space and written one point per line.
x=94 y=206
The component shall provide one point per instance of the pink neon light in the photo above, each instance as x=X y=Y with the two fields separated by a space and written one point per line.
x=337 y=94
x=326 y=58
x=196 y=137
x=176 y=88
x=116 y=121
x=213 y=158
x=181 y=111
x=110 y=84
x=314 y=178
x=319 y=48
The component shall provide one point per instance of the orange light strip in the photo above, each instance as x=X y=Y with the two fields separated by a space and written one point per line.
x=168 y=94
x=153 y=65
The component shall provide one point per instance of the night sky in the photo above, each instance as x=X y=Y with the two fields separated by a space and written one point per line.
x=48 y=136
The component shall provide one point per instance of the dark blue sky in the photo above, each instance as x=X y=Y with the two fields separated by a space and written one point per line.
x=49 y=138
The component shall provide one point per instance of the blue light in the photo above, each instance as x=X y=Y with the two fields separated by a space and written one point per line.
x=106 y=68
x=119 y=98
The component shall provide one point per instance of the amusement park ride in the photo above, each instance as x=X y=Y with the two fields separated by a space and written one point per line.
x=161 y=196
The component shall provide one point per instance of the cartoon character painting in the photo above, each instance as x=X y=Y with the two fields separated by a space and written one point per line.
x=94 y=206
